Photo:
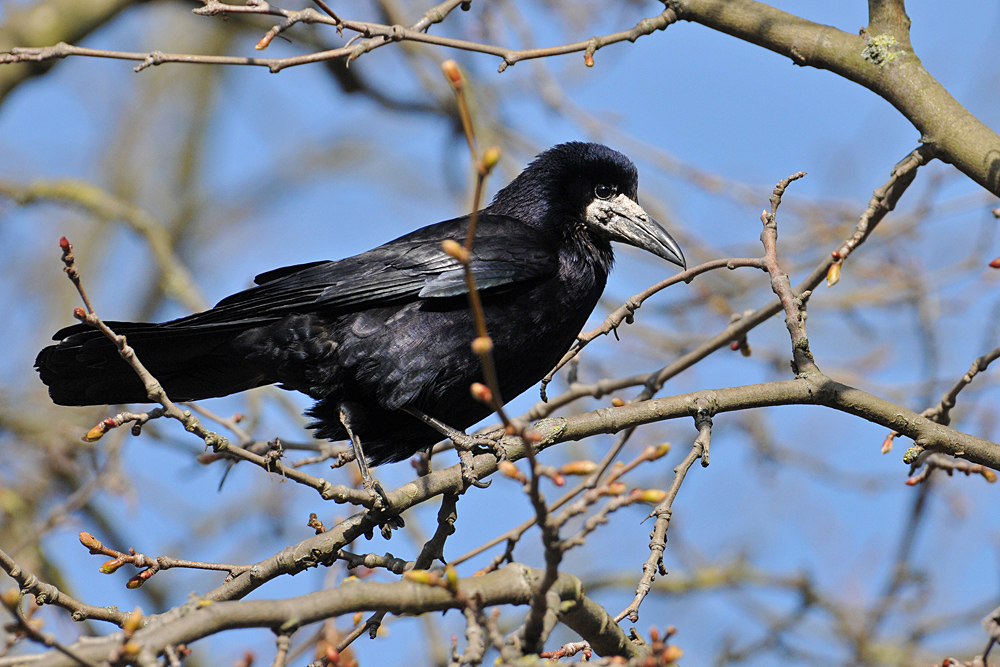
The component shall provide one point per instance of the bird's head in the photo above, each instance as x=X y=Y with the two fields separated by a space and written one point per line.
x=592 y=189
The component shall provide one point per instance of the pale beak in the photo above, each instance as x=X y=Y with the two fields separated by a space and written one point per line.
x=622 y=219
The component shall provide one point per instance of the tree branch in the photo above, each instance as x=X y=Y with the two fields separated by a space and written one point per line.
x=881 y=61
x=514 y=584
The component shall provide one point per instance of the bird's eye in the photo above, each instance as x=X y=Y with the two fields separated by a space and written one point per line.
x=603 y=191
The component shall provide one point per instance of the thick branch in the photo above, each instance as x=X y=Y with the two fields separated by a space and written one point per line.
x=817 y=389
x=514 y=584
x=880 y=61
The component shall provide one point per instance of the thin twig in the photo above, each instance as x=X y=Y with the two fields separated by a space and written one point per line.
x=663 y=512
x=386 y=34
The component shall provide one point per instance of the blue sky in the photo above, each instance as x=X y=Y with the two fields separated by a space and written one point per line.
x=292 y=170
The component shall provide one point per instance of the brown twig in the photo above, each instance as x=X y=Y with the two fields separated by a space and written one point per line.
x=792 y=303
x=593 y=493
x=483 y=344
x=45 y=593
x=378 y=34
x=928 y=462
x=626 y=311
x=151 y=565
x=12 y=602
x=941 y=413
x=663 y=512
x=154 y=390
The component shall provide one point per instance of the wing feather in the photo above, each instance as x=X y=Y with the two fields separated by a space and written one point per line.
x=411 y=267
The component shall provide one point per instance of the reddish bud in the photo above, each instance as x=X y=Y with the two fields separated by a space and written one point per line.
x=358 y=616
x=617 y=402
x=80 y=314
x=588 y=59
x=64 y=244
x=735 y=345
x=91 y=542
x=508 y=469
x=578 y=468
x=481 y=392
x=833 y=274
x=96 y=433
x=989 y=475
x=995 y=264
x=887 y=443
x=111 y=566
x=672 y=653
x=615 y=489
x=453 y=73
x=135 y=582
x=835 y=254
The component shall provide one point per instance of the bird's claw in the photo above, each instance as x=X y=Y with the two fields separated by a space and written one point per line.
x=380 y=501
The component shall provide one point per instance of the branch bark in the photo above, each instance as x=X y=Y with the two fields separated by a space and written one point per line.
x=881 y=59
x=514 y=584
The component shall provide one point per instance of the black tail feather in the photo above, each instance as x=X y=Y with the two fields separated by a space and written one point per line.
x=191 y=363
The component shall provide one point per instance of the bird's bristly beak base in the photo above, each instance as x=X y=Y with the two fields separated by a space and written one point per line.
x=622 y=219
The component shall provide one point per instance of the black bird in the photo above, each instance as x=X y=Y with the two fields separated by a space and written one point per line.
x=382 y=340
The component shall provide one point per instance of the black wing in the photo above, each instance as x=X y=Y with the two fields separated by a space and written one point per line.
x=411 y=267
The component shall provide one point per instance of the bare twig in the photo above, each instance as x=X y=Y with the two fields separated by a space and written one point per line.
x=25 y=628
x=626 y=311
x=156 y=394
x=941 y=413
x=793 y=304
x=385 y=34
x=48 y=594
x=151 y=565
x=658 y=536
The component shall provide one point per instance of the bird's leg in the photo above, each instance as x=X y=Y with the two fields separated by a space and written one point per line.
x=460 y=439
x=370 y=484
x=464 y=443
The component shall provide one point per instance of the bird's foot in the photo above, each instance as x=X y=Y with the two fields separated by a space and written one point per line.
x=469 y=476
x=380 y=501
x=479 y=443
x=491 y=442
x=381 y=509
